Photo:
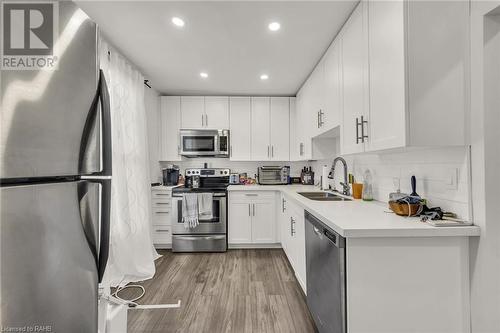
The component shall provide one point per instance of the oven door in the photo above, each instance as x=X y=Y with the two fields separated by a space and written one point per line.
x=215 y=225
x=199 y=142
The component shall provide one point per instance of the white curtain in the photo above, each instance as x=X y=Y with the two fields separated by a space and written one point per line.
x=132 y=254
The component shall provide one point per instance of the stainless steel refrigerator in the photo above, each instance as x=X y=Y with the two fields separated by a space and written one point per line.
x=55 y=185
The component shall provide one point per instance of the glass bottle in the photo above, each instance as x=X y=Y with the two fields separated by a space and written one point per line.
x=367 y=186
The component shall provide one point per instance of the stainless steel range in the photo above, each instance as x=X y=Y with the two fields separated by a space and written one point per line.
x=210 y=235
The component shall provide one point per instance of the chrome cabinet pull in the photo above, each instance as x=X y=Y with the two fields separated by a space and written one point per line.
x=363 y=122
x=357 y=131
x=206 y=120
x=202 y=121
x=321 y=122
x=272 y=151
x=162 y=230
x=253 y=209
x=283 y=205
x=251 y=194
x=249 y=210
x=317 y=120
x=267 y=151
x=162 y=212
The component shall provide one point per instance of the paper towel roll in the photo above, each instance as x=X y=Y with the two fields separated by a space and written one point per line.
x=324 y=177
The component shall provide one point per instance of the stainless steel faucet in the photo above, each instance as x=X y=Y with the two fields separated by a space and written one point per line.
x=345 y=185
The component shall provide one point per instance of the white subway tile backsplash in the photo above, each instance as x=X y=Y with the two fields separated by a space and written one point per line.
x=434 y=169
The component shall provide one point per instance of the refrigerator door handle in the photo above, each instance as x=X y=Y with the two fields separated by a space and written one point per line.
x=103 y=250
x=101 y=98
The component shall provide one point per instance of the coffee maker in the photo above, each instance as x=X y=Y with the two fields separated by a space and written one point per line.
x=171 y=175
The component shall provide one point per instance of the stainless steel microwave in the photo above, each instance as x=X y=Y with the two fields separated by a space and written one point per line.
x=203 y=143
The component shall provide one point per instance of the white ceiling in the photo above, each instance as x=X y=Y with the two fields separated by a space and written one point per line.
x=229 y=40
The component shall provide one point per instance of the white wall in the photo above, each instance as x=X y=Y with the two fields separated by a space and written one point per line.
x=152 y=104
x=485 y=138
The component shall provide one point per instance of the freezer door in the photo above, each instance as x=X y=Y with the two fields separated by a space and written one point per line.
x=43 y=113
x=48 y=256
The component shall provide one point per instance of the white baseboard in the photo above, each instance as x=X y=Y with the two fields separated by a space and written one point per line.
x=255 y=246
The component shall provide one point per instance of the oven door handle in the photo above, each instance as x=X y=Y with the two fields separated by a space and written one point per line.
x=192 y=238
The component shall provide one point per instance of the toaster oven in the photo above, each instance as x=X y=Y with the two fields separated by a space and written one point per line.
x=273 y=175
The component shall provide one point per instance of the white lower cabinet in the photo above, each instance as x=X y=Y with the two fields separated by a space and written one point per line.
x=252 y=218
x=161 y=200
x=292 y=229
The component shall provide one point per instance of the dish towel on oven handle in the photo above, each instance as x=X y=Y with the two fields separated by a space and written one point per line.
x=205 y=206
x=190 y=210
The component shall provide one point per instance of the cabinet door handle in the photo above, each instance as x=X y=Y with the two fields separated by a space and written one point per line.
x=357 y=130
x=249 y=210
x=272 y=151
x=158 y=212
x=267 y=151
x=321 y=122
x=317 y=119
x=253 y=209
x=202 y=121
x=162 y=230
x=251 y=194
x=363 y=122
x=283 y=205
x=206 y=120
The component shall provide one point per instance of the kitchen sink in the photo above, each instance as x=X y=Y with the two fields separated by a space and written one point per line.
x=323 y=196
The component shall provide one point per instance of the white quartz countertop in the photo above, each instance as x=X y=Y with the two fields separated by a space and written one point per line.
x=163 y=187
x=358 y=218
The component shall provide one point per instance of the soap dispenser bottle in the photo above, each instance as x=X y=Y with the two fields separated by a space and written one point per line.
x=367 y=186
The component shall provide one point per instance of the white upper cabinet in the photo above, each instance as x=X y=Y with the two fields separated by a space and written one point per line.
x=315 y=99
x=193 y=112
x=217 y=112
x=294 y=141
x=280 y=129
x=210 y=112
x=240 y=128
x=170 y=123
x=355 y=75
x=330 y=114
x=261 y=149
x=438 y=72
x=387 y=75
x=304 y=121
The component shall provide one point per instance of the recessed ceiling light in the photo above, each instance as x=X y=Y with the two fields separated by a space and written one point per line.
x=264 y=77
x=274 y=26
x=178 y=21
x=204 y=75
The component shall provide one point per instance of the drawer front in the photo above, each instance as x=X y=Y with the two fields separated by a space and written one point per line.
x=253 y=195
x=161 y=203
x=162 y=216
x=162 y=234
x=158 y=194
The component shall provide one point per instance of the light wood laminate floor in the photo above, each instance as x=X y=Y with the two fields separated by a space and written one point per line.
x=237 y=291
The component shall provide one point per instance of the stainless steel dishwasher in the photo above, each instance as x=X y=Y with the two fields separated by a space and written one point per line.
x=326 y=280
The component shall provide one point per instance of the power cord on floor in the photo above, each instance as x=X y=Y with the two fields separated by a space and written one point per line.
x=130 y=302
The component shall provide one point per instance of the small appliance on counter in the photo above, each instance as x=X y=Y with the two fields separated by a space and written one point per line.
x=170 y=175
x=307 y=176
x=234 y=179
x=273 y=175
